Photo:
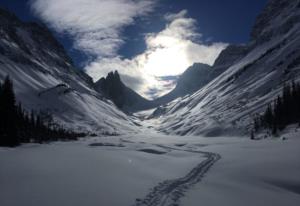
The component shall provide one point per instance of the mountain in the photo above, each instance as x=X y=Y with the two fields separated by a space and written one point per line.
x=251 y=76
x=124 y=97
x=208 y=100
x=129 y=101
x=45 y=79
x=198 y=75
x=190 y=81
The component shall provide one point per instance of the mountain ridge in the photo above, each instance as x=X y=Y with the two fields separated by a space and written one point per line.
x=227 y=104
x=125 y=98
x=45 y=79
x=208 y=100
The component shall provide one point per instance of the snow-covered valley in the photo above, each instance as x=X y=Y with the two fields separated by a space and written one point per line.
x=126 y=170
x=191 y=147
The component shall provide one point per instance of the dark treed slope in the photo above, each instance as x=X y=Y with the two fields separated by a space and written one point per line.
x=283 y=111
x=18 y=126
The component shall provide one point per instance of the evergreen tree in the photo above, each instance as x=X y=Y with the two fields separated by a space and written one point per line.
x=268 y=117
x=284 y=111
x=8 y=114
x=17 y=126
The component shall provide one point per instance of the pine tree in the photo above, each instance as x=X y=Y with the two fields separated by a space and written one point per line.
x=268 y=117
x=8 y=110
x=17 y=126
x=284 y=111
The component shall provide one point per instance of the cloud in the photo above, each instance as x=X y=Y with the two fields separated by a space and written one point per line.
x=174 y=16
x=96 y=27
x=169 y=53
x=178 y=46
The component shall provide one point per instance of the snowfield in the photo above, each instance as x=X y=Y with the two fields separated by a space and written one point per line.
x=153 y=169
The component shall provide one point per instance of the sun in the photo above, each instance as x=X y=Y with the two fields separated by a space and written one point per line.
x=167 y=61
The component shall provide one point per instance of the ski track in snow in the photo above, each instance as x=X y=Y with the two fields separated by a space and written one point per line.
x=169 y=192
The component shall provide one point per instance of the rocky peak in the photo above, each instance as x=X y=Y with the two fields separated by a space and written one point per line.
x=7 y=17
x=113 y=76
x=193 y=78
x=29 y=40
x=110 y=85
x=278 y=17
x=229 y=55
x=123 y=97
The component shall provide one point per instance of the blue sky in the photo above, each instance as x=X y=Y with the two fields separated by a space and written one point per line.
x=145 y=39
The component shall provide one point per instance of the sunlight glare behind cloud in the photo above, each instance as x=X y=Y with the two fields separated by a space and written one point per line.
x=96 y=27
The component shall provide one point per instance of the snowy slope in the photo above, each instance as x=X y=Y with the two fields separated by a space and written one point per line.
x=225 y=105
x=192 y=79
x=45 y=79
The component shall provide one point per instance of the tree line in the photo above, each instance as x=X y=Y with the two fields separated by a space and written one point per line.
x=283 y=111
x=19 y=126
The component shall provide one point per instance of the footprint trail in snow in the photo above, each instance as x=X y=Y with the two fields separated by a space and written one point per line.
x=169 y=192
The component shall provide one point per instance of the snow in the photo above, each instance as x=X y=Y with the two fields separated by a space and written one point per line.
x=257 y=173
x=76 y=106
x=78 y=174
x=264 y=172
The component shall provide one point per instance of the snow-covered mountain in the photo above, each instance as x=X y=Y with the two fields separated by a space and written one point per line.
x=124 y=97
x=195 y=77
x=213 y=100
x=45 y=79
x=251 y=76
x=198 y=75
x=188 y=82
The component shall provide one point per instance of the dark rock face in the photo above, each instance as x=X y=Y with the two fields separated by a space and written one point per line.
x=229 y=56
x=32 y=39
x=124 y=98
x=193 y=78
x=32 y=44
x=278 y=17
x=112 y=87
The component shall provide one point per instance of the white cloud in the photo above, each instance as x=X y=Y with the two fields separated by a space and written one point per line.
x=168 y=52
x=175 y=48
x=96 y=27
x=173 y=16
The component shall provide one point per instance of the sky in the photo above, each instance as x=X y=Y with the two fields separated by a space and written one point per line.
x=147 y=41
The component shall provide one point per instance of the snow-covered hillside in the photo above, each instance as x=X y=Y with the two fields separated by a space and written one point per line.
x=252 y=80
x=188 y=82
x=45 y=79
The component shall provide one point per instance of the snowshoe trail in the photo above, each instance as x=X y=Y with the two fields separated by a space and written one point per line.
x=169 y=192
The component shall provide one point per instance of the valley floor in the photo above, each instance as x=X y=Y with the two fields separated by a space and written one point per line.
x=153 y=170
